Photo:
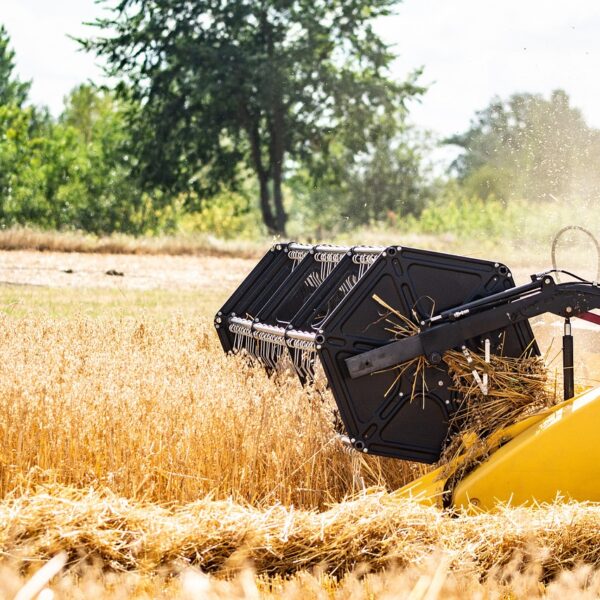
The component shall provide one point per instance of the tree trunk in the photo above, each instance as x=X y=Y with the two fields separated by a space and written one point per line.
x=265 y=204
x=263 y=175
x=280 y=216
x=276 y=156
x=276 y=129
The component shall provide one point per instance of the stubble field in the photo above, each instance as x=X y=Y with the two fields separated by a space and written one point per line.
x=136 y=460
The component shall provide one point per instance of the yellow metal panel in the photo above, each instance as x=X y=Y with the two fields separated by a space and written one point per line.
x=557 y=456
x=429 y=489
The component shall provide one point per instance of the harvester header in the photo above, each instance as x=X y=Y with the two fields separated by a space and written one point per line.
x=379 y=322
x=311 y=305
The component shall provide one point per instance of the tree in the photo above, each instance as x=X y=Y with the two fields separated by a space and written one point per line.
x=113 y=201
x=36 y=171
x=12 y=91
x=109 y=197
x=383 y=183
x=264 y=85
x=86 y=107
x=530 y=147
x=73 y=174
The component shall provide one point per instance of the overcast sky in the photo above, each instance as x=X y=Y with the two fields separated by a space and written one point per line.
x=471 y=50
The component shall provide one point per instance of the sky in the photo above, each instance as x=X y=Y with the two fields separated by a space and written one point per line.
x=471 y=50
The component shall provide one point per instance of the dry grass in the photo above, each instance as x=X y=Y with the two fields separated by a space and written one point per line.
x=23 y=238
x=375 y=531
x=154 y=410
x=162 y=468
x=516 y=389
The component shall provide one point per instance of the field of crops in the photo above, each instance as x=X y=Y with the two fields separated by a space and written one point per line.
x=136 y=460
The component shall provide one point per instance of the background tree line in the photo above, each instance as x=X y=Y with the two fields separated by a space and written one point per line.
x=247 y=118
x=72 y=172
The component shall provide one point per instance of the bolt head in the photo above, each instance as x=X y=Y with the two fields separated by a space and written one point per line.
x=435 y=358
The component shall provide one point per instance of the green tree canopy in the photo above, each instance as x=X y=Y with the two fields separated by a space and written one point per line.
x=12 y=91
x=74 y=173
x=227 y=87
x=382 y=183
x=529 y=147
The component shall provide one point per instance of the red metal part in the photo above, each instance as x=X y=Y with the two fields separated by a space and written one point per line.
x=590 y=317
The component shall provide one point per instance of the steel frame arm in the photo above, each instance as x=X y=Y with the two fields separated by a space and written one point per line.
x=452 y=328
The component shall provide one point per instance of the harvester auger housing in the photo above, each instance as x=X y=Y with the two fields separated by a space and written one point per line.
x=394 y=392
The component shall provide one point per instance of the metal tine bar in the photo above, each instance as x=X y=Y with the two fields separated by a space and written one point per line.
x=306 y=277
x=297 y=253
x=364 y=261
x=264 y=340
x=256 y=289
x=303 y=354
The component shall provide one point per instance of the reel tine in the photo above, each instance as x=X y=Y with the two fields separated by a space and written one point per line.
x=288 y=290
x=243 y=340
x=303 y=354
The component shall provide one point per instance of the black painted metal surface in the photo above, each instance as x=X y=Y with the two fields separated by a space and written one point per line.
x=408 y=417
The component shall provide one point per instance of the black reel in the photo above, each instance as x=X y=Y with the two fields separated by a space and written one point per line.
x=408 y=417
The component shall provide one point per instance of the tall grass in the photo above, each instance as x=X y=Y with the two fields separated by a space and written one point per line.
x=182 y=244
x=154 y=410
x=133 y=445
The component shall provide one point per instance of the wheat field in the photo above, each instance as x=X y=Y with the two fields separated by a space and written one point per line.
x=136 y=460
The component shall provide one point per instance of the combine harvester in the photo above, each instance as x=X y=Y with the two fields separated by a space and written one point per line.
x=330 y=306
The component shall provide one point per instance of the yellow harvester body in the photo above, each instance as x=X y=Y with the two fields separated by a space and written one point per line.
x=554 y=454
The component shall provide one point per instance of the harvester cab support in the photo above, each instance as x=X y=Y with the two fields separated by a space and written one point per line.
x=568 y=361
